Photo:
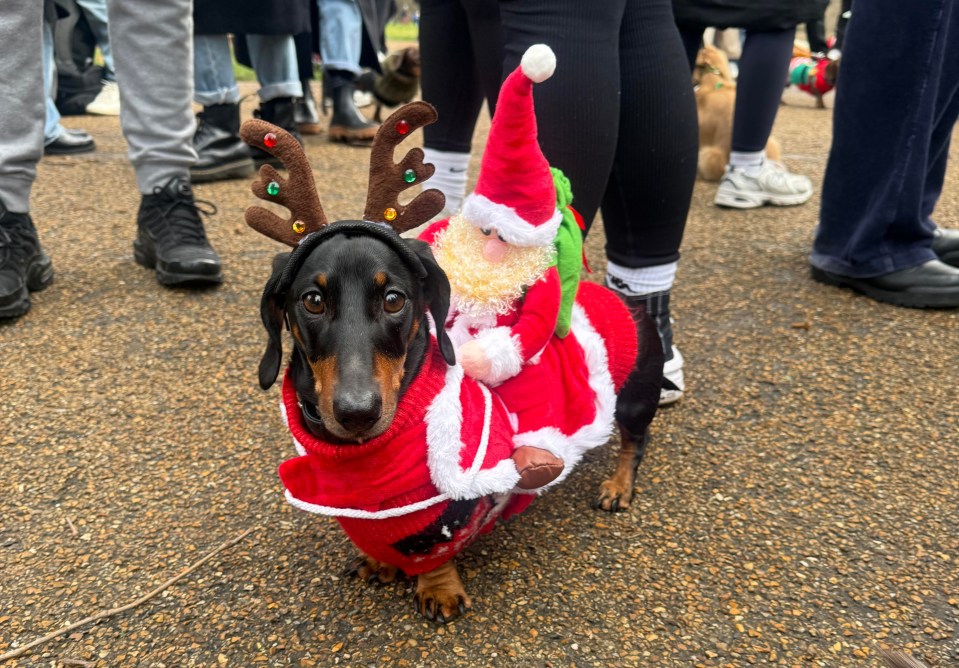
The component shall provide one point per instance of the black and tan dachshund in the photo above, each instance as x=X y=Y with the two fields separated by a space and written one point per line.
x=355 y=297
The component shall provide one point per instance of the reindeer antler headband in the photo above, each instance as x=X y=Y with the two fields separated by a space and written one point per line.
x=387 y=179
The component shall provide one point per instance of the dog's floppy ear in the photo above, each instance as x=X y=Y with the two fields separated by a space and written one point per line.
x=272 y=312
x=437 y=289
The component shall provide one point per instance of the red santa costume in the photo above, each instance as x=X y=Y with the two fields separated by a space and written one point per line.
x=547 y=383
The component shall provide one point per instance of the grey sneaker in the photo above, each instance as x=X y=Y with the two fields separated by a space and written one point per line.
x=773 y=184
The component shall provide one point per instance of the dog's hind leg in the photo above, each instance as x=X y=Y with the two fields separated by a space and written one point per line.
x=369 y=569
x=440 y=595
x=636 y=405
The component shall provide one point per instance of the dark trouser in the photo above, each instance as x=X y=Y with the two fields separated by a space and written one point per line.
x=891 y=129
x=763 y=68
x=462 y=63
x=618 y=116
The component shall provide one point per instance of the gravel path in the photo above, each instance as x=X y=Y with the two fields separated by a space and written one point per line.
x=798 y=508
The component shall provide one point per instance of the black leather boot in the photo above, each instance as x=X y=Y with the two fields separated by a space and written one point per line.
x=24 y=267
x=348 y=123
x=305 y=113
x=221 y=154
x=279 y=112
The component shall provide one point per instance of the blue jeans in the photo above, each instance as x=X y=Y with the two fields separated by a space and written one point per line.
x=274 y=60
x=51 y=127
x=341 y=36
x=96 y=15
x=891 y=129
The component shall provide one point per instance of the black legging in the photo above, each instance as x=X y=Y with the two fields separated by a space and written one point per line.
x=618 y=116
x=461 y=65
x=763 y=68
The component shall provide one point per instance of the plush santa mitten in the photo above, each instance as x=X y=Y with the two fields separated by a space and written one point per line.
x=537 y=467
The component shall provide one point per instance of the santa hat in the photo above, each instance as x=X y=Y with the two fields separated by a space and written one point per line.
x=515 y=192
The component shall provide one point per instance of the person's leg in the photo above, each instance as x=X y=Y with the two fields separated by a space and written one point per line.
x=651 y=184
x=816 y=35
x=884 y=169
x=107 y=101
x=96 y=14
x=221 y=154
x=341 y=27
x=306 y=114
x=274 y=61
x=692 y=38
x=52 y=128
x=213 y=79
x=750 y=179
x=153 y=49
x=578 y=108
x=23 y=265
x=461 y=56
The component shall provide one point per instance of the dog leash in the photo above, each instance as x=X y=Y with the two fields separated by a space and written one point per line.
x=398 y=511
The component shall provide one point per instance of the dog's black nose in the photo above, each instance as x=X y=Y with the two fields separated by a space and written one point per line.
x=357 y=411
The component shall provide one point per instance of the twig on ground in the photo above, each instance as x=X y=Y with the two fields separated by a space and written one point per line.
x=129 y=606
x=78 y=662
x=896 y=659
x=73 y=529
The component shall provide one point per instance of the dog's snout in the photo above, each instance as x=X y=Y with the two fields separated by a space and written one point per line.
x=357 y=411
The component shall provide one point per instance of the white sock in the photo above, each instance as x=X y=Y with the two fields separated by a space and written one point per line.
x=748 y=162
x=643 y=280
x=450 y=175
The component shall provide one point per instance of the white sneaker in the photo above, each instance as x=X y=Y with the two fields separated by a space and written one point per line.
x=771 y=184
x=107 y=101
x=674 y=385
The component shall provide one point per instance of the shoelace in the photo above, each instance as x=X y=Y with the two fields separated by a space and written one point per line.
x=182 y=212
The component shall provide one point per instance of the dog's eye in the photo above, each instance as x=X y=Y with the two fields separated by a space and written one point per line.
x=393 y=302
x=486 y=231
x=500 y=237
x=314 y=302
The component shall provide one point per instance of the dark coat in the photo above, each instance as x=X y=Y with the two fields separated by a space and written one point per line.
x=253 y=17
x=758 y=15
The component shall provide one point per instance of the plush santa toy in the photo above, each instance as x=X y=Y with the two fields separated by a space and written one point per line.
x=504 y=254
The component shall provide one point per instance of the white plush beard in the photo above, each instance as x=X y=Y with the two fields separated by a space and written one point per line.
x=480 y=287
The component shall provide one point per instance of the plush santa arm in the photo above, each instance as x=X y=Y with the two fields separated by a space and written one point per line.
x=499 y=353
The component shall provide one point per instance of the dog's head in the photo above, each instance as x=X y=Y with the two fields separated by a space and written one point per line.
x=712 y=66
x=354 y=294
x=355 y=297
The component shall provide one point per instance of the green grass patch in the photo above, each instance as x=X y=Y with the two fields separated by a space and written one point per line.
x=243 y=73
x=402 y=32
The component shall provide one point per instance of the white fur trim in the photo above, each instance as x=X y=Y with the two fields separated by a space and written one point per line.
x=482 y=212
x=538 y=63
x=571 y=448
x=444 y=423
x=503 y=352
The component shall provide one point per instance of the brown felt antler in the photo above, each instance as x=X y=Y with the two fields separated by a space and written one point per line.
x=389 y=179
x=298 y=193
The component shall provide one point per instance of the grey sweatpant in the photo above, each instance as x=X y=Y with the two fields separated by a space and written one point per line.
x=153 y=51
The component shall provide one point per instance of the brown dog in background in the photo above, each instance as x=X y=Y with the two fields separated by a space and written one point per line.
x=715 y=101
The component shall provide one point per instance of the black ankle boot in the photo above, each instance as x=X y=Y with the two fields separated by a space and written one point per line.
x=221 y=154
x=279 y=112
x=24 y=267
x=171 y=238
x=305 y=113
x=348 y=123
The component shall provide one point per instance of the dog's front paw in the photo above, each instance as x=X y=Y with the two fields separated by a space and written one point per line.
x=615 y=494
x=440 y=595
x=369 y=569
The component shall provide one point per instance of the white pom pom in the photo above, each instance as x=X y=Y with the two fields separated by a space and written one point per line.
x=539 y=63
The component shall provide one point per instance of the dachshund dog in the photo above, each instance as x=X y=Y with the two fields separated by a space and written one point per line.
x=410 y=456
x=715 y=101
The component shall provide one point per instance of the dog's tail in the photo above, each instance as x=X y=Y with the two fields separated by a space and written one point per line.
x=712 y=163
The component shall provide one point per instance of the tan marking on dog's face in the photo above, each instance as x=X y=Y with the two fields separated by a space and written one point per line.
x=324 y=381
x=379 y=279
x=388 y=372
x=321 y=280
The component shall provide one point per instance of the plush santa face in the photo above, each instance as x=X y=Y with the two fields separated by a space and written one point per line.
x=487 y=274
